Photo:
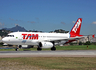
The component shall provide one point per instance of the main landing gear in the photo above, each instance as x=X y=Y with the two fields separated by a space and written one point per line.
x=53 y=48
x=39 y=49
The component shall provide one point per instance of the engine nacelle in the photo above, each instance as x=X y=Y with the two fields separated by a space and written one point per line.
x=46 y=44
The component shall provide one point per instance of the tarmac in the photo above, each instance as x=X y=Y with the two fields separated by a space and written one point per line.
x=63 y=53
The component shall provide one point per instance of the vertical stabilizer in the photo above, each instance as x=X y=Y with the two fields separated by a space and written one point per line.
x=76 y=28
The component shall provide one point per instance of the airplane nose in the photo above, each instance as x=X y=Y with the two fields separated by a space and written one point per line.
x=3 y=40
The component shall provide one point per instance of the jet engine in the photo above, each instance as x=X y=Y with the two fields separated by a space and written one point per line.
x=45 y=44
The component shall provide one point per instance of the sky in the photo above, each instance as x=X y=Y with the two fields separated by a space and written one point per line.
x=48 y=15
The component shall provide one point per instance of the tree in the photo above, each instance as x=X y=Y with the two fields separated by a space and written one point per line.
x=61 y=31
x=87 y=43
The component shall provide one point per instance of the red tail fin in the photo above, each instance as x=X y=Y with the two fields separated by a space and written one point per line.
x=76 y=28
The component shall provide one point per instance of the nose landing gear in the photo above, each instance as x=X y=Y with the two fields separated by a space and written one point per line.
x=17 y=48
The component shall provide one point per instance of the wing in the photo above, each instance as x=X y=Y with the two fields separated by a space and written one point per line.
x=65 y=39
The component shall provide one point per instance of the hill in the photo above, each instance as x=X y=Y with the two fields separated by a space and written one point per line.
x=16 y=28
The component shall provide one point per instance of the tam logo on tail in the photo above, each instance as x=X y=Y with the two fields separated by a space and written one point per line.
x=77 y=26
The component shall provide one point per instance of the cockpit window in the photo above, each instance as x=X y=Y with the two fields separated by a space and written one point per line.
x=10 y=35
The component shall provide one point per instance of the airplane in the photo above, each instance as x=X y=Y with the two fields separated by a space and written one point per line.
x=43 y=40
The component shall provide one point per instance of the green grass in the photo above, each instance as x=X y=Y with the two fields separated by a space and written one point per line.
x=71 y=47
x=77 y=47
x=47 y=63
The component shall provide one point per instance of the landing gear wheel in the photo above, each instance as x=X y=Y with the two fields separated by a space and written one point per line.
x=20 y=46
x=39 y=49
x=16 y=49
x=53 y=48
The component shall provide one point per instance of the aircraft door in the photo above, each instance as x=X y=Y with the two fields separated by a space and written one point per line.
x=20 y=37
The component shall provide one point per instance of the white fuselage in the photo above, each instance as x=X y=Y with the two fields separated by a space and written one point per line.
x=33 y=38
